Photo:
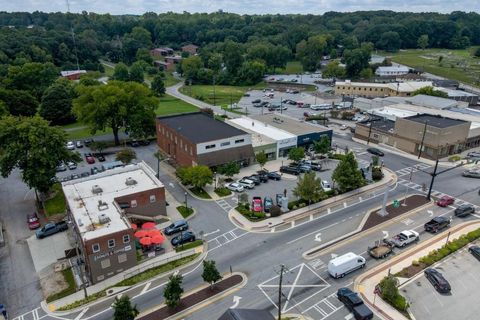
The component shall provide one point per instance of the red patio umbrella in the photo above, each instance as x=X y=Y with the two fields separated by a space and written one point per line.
x=153 y=233
x=148 y=225
x=140 y=233
x=146 y=241
x=158 y=239
x=134 y=226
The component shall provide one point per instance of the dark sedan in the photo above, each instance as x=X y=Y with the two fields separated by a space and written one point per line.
x=274 y=175
x=185 y=237
x=437 y=280
x=376 y=152
x=475 y=251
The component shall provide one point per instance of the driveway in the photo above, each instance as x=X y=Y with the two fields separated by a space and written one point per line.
x=47 y=251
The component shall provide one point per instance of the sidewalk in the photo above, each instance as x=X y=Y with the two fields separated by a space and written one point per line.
x=365 y=283
x=266 y=225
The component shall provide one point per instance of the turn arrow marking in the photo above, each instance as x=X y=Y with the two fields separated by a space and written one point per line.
x=430 y=212
x=385 y=234
x=318 y=237
x=236 y=301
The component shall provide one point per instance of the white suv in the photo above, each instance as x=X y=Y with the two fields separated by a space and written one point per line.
x=249 y=184
x=70 y=145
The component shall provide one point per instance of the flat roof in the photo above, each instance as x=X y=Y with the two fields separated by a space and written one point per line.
x=67 y=73
x=91 y=199
x=384 y=125
x=435 y=102
x=407 y=86
x=456 y=93
x=393 y=68
x=435 y=120
x=262 y=128
x=259 y=137
x=291 y=125
x=199 y=127
x=391 y=112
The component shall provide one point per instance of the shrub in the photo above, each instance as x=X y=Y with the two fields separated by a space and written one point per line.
x=337 y=156
x=222 y=191
x=377 y=174
x=415 y=263
x=295 y=204
x=454 y=158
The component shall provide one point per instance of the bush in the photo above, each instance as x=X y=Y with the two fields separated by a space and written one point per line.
x=275 y=211
x=295 y=204
x=185 y=212
x=377 y=174
x=223 y=192
x=337 y=156
x=454 y=158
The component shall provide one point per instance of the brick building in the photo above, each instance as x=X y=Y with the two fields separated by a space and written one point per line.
x=161 y=51
x=190 y=48
x=198 y=139
x=100 y=207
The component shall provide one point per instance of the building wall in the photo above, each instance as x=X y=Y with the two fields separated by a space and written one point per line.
x=306 y=140
x=110 y=261
x=149 y=203
x=190 y=49
x=269 y=149
x=368 y=90
x=223 y=144
x=176 y=146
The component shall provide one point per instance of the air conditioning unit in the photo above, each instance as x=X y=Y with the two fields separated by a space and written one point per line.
x=102 y=205
x=130 y=181
x=103 y=218
x=96 y=189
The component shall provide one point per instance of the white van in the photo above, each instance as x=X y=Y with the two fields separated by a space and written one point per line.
x=344 y=264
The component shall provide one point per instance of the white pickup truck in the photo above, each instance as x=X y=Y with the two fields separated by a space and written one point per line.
x=405 y=237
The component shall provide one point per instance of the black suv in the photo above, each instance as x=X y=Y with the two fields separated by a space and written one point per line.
x=475 y=251
x=464 y=210
x=437 y=280
x=290 y=170
x=354 y=304
x=262 y=175
x=375 y=151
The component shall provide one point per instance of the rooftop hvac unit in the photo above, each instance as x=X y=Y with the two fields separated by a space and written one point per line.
x=80 y=223
x=130 y=181
x=96 y=189
x=102 y=205
x=103 y=218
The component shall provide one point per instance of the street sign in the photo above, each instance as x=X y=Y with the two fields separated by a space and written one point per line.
x=396 y=203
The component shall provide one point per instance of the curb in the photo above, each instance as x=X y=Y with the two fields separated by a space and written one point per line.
x=46 y=309
x=356 y=233
x=204 y=303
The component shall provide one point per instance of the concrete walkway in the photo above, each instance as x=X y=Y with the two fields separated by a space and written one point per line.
x=365 y=283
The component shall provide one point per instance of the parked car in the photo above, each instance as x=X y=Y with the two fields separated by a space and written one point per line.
x=437 y=280
x=175 y=227
x=234 y=186
x=405 y=237
x=133 y=143
x=274 y=176
x=247 y=183
x=87 y=142
x=445 y=201
x=253 y=178
x=262 y=175
x=79 y=144
x=437 y=224
x=61 y=167
x=71 y=165
x=354 y=304
x=257 y=204
x=464 y=210
x=326 y=186
x=144 y=142
x=473 y=154
x=341 y=265
x=100 y=157
x=376 y=152
x=70 y=145
x=89 y=158
x=94 y=170
x=185 y=237
x=267 y=204
x=256 y=101
x=51 y=228
x=472 y=173
x=475 y=251
x=33 y=221
x=290 y=170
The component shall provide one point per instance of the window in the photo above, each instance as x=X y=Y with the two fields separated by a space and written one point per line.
x=191 y=151
x=181 y=143
x=239 y=141
x=122 y=258
x=105 y=263
x=133 y=203
x=223 y=144
x=126 y=238
x=186 y=149
x=111 y=243
x=210 y=146
x=152 y=198
x=175 y=139
x=96 y=247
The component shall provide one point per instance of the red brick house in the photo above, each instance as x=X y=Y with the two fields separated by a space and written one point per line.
x=190 y=48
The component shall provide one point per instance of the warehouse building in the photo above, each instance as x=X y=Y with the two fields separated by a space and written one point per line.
x=371 y=89
x=198 y=139
x=100 y=207
x=389 y=71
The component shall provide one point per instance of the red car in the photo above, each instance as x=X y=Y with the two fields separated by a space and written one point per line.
x=445 y=201
x=89 y=157
x=257 y=204
x=32 y=220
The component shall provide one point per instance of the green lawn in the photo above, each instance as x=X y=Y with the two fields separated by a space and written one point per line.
x=189 y=245
x=170 y=80
x=220 y=95
x=57 y=204
x=456 y=64
x=185 y=212
x=170 y=105
x=82 y=131
x=68 y=275
x=292 y=67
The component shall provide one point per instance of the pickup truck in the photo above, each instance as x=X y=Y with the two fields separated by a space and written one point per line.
x=405 y=237
x=354 y=304
x=51 y=228
x=436 y=224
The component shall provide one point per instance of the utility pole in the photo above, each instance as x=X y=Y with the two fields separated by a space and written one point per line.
x=214 y=92
x=282 y=267
x=434 y=174
x=370 y=129
x=423 y=140
x=82 y=276
x=281 y=106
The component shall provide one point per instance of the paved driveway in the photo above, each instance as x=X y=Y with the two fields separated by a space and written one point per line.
x=48 y=250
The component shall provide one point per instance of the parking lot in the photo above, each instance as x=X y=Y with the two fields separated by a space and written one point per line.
x=461 y=271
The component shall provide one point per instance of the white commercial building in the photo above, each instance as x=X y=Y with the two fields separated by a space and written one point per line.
x=392 y=71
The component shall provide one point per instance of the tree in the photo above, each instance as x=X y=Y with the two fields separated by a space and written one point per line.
x=309 y=188
x=296 y=154
x=251 y=72
x=357 y=59
x=123 y=309
x=366 y=73
x=136 y=72
x=158 y=86
x=33 y=77
x=117 y=105
x=430 y=91
x=229 y=169
x=173 y=291
x=210 y=273
x=197 y=176
x=56 y=105
x=346 y=174
x=311 y=51
x=476 y=53
x=144 y=55
x=19 y=102
x=126 y=155
x=422 y=41
x=261 y=158
x=389 y=41
x=120 y=72
x=191 y=67
x=323 y=145
x=99 y=146
x=35 y=148
x=333 y=70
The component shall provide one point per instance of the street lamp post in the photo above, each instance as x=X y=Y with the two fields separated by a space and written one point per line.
x=186 y=204
x=215 y=177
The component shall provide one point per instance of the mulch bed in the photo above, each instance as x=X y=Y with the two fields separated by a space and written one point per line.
x=413 y=202
x=194 y=298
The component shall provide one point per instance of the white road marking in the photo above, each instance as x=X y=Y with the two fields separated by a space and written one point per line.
x=210 y=233
x=344 y=204
x=80 y=315
x=349 y=316
x=145 y=289
x=309 y=234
